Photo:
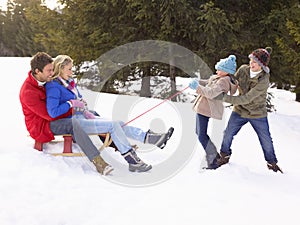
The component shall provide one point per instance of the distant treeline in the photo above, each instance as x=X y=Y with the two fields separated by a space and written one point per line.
x=85 y=29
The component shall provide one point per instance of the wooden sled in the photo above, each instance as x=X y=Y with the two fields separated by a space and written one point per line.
x=68 y=141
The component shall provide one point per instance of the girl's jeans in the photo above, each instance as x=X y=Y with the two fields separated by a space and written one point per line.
x=207 y=144
x=118 y=133
x=261 y=127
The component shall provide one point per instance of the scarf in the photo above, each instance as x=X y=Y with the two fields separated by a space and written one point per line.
x=70 y=85
x=254 y=74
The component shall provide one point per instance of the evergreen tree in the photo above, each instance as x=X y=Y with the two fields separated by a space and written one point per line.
x=86 y=29
x=3 y=50
x=48 y=30
x=18 y=30
x=282 y=29
x=218 y=33
x=289 y=46
x=10 y=28
x=178 y=25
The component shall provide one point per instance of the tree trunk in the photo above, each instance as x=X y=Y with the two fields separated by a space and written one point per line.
x=172 y=74
x=145 y=88
x=173 y=82
x=298 y=97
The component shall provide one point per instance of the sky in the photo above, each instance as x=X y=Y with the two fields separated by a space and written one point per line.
x=3 y=3
x=50 y=3
x=38 y=188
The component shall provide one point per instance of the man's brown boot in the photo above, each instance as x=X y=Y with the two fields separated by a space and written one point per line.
x=101 y=166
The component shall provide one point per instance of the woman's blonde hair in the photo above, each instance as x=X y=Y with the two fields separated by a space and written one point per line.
x=59 y=63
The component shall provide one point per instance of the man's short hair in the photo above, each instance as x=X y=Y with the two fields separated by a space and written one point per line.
x=39 y=61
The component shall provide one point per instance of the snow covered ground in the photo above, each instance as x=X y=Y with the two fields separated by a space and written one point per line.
x=37 y=188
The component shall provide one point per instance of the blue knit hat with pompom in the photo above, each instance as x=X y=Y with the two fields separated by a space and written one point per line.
x=227 y=65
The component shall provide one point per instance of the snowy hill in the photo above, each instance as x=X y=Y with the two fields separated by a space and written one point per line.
x=37 y=188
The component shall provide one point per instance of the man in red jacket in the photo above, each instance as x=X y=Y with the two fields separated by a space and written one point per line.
x=40 y=125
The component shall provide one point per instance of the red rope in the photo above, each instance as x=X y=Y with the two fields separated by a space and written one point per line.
x=177 y=93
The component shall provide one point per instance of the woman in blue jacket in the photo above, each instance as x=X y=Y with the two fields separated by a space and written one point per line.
x=62 y=95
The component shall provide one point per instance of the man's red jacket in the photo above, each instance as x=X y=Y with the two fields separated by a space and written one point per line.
x=33 y=101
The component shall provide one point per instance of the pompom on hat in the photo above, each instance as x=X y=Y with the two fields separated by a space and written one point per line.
x=227 y=65
x=262 y=57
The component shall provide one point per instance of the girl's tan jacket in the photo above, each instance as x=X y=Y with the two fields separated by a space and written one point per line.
x=209 y=89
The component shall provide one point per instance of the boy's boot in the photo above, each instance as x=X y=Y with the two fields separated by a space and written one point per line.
x=158 y=139
x=274 y=167
x=224 y=158
x=101 y=166
x=135 y=163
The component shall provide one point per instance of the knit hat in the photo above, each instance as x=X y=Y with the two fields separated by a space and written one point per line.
x=262 y=57
x=227 y=65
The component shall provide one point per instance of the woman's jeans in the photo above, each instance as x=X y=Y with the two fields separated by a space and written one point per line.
x=118 y=132
x=261 y=127
x=201 y=131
